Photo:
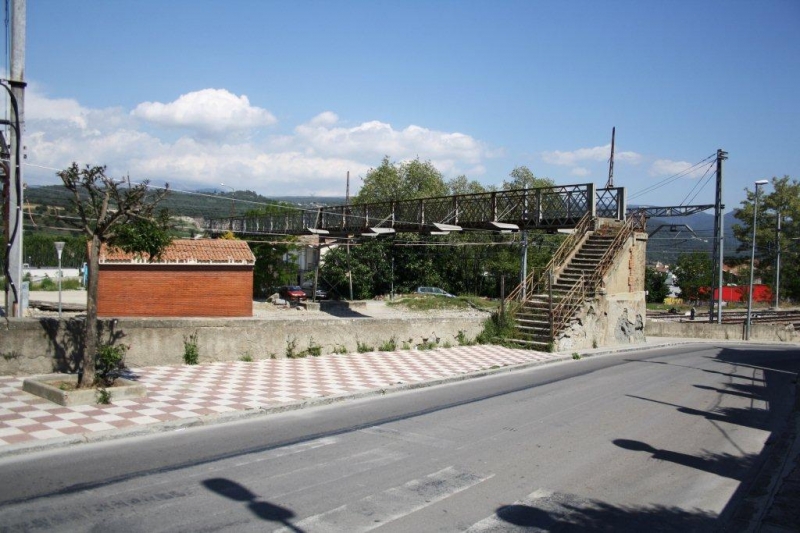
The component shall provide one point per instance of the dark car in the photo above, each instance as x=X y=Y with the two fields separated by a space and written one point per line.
x=292 y=293
x=308 y=288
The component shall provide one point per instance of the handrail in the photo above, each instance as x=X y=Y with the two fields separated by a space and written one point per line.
x=568 y=304
x=604 y=265
x=532 y=282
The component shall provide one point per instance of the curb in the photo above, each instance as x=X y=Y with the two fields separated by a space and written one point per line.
x=235 y=416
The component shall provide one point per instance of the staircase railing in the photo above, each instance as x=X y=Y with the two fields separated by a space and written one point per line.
x=604 y=265
x=535 y=280
x=567 y=306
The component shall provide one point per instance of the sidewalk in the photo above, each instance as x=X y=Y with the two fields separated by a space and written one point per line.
x=183 y=396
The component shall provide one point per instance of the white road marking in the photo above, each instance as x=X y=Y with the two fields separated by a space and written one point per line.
x=379 y=509
x=406 y=436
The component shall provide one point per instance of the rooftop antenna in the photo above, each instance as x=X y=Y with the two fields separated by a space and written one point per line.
x=610 y=182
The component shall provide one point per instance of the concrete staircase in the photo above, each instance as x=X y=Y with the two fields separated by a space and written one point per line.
x=532 y=319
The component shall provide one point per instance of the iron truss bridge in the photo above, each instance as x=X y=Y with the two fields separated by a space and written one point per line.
x=548 y=208
x=674 y=211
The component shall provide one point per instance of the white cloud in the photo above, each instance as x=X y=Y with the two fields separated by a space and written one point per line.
x=667 y=167
x=598 y=153
x=210 y=111
x=580 y=172
x=312 y=159
x=374 y=139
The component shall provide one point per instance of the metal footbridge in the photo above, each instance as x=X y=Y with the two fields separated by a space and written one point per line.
x=548 y=208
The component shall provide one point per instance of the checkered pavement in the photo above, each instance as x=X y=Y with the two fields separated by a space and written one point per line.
x=181 y=392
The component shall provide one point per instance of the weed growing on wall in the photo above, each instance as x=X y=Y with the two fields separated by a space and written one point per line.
x=191 y=353
x=363 y=348
x=388 y=346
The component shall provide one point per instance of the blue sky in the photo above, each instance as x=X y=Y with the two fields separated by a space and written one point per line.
x=284 y=98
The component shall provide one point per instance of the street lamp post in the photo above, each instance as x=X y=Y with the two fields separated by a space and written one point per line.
x=752 y=261
x=59 y=249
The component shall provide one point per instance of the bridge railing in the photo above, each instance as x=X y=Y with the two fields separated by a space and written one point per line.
x=561 y=206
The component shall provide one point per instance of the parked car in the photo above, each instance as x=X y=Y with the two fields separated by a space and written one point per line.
x=308 y=288
x=434 y=291
x=292 y=293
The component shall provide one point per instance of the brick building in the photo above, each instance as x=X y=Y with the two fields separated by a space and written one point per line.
x=193 y=278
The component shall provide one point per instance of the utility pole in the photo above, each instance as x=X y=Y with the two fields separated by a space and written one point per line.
x=778 y=260
x=717 y=254
x=610 y=182
x=13 y=296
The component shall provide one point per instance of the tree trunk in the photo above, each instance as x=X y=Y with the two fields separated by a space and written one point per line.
x=87 y=366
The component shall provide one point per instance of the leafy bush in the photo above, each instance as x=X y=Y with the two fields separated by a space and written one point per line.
x=109 y=363
x=496 y=328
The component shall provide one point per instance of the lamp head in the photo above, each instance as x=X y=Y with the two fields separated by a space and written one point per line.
x=762 y=182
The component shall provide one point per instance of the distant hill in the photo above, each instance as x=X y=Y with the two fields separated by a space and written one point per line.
x=674 y=238
x=206 y=204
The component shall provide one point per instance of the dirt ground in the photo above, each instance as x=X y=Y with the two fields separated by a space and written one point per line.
x=74 y=303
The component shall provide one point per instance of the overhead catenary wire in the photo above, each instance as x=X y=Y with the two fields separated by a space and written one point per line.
x=670 y=179
x=699 y=184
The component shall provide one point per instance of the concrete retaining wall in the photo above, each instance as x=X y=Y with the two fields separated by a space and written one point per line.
x=39 y=346
x=704 y=330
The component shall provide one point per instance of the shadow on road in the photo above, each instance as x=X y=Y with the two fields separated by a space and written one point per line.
x=563 y=512
x=721 y=464
x=263 y=510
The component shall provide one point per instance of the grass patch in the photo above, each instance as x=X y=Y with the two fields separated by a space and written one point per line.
x=364 y=348
x=419 y=302
x=50 y=284
x=496 y=329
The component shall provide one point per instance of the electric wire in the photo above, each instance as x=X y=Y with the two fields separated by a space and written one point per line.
x=670 y=179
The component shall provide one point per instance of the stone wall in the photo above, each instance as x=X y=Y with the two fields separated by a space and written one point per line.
x=38 y=346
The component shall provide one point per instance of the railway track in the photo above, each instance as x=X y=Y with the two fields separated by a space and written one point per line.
x=735 y=317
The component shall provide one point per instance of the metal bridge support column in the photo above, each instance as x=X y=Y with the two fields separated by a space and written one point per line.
x=621 y=203
x=592 y=199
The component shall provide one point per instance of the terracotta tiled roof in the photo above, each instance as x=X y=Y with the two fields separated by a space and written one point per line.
x=200 y=251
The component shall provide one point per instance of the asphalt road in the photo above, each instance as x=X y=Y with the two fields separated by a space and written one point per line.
x=641 y=441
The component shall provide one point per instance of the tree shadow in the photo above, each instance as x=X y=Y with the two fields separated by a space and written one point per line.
x=737 y=376
x=263 y=510
x=721 y=464
x=67 y=341
x=565 y=513
x=747 y=417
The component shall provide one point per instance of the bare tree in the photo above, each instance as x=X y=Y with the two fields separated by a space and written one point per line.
x=110 y=211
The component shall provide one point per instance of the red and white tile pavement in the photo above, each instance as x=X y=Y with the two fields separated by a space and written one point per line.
x=181 y=392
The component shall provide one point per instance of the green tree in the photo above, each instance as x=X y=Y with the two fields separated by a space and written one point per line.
x=462 y=185
x=693 y=272
x=270 y=269
x=655 y=283
x=783 y=200
x=523 y=178
x=404 y=181
x=114 y=212
x=370 y=264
